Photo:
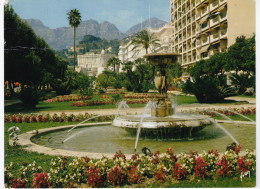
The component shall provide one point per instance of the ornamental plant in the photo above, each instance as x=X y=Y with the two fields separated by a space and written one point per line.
x=199 y=167
x=94 y=179
x=40 y=180
x=115 y=176
x=178 y=172
x=160 y=174
x=18 y=183
x=223 y=169
x=133 y=175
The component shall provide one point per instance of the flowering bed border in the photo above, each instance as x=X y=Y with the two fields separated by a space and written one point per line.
x=227 y=112
x=66 y=98
x=106 y=102
x=119 y=171
x=63 y=117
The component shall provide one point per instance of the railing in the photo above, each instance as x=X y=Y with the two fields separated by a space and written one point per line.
x=223 y=32
x=223 y=15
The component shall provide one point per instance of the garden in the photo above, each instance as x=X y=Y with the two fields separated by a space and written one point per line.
x=51 y=88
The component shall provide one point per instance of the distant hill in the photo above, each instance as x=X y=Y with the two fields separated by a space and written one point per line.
x=62 y=38
x=155 y=23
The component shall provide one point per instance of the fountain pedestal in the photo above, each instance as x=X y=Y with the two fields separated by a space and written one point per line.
x=164 y=108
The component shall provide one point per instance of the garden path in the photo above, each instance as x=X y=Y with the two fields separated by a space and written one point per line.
x=140 y=110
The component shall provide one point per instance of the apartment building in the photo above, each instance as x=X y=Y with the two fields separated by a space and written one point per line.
x=202 y=28
x=127 y=52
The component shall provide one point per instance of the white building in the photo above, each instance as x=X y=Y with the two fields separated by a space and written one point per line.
x=93 y=64
x=127 y=52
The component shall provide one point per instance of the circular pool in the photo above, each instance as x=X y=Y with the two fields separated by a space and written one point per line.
x=110 y=139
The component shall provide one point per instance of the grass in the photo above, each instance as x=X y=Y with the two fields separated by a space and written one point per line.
x=199 y=183
x=237 y=117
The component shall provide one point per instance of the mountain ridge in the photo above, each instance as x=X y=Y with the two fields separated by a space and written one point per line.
x=62 y=37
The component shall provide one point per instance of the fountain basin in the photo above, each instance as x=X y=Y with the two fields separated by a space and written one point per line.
x=97 y=140
x=174 y=121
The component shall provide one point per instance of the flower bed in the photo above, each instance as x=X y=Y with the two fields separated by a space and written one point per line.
x=140 y=95
x=106 y=102
x=67 y=98
x=119 y=171
x=227 y=112
x=32 y=118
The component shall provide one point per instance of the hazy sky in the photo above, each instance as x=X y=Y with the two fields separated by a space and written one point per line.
x=122 y=13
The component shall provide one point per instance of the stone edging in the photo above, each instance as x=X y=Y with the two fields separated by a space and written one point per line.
x=28 y=145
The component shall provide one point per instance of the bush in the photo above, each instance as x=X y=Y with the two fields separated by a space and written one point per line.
x=209 y=89
x=29 y=97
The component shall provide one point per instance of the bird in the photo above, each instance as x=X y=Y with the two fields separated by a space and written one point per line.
x=147 y=151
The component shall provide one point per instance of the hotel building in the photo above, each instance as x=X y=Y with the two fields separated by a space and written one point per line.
x=202 y=28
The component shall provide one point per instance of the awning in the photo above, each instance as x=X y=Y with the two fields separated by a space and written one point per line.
x=221 y=8
x=204 y=19
x=204 y=48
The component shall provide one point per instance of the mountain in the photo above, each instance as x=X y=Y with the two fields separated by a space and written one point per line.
x=61 y=38
x=155 y=23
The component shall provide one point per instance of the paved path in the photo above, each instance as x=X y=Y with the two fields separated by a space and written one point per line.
x=252 y=104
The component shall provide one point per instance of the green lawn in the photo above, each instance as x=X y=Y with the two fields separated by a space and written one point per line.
x=237 y=117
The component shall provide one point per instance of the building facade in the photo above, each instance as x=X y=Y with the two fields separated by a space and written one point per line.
x=202 y=28
x=127 y=52
x=93 y=64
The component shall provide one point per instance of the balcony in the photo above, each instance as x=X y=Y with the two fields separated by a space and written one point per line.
x=197 y=2
x=197 y=16
x=214 y=21
x=204 y=26
x=223 y=33
x=223 y=16
x=205 y=40
x=204 y=11
x=213 y=5
x=221 y=2
x=214 y=37
x=193 y=18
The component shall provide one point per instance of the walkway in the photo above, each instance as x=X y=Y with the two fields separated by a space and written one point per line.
x=252 y=104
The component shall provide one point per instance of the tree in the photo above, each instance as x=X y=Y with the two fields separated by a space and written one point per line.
x=145 y=40
x=85 y=87
x=241 y=56
x=114 y=62
x=209 y=84
x=105 y=80
x=74 y=18
x=28 y=58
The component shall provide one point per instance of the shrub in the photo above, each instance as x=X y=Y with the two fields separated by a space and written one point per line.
x=40 y=180
x=115 y=176
x=93 y=177
x=223 y=167
x=178 y=172
x=199 y=167
x=208 y=89
x=133 y=175
x=160 y=174
x=18 y=183
x=29 y=97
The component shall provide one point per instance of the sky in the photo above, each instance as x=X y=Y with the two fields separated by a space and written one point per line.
x=123 y=13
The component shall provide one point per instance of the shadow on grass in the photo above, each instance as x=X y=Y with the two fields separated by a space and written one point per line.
x=19 y=108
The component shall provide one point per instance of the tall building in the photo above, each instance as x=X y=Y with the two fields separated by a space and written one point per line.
x=202 y=28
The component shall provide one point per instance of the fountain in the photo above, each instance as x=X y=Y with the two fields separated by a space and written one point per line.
x=162 y=120
x=160 y=128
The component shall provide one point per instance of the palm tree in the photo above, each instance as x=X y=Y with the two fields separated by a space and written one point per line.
x=145 y=40
x=114 y=61
x=74 y=18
